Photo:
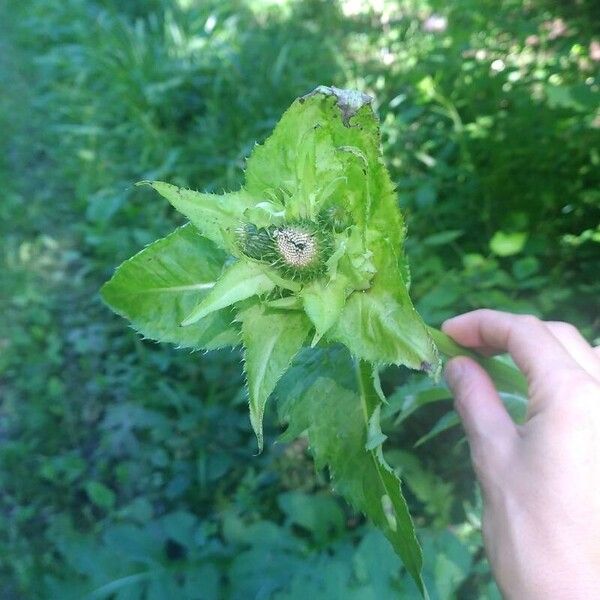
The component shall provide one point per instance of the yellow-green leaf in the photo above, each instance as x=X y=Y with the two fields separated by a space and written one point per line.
x=271 y=340
x=323 y=303
x=160 y=285
x=212 y=214
x=240 y=280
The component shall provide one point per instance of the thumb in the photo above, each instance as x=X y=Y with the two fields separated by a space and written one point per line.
x=488 y=425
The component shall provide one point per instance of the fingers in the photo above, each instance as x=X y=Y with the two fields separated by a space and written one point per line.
x=527 y=339
x=577 y=346
x=488 y=426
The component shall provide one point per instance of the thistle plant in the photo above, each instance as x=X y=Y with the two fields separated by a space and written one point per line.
x=304 y=268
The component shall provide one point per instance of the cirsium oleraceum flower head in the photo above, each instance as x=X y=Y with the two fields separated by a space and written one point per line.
x=298 y=250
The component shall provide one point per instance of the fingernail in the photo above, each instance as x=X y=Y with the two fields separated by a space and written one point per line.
x=448 y=323
x=445 y=323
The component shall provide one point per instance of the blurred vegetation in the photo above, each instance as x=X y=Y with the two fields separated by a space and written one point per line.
x=127 y=469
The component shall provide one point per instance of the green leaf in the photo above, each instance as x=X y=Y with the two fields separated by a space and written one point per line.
x=445 y=422
x=297 y=157
x=271 y=340
x=382 y=326
x=436 y=494
x=180 y=526
x=375 y=437
x=323 y=303
x=240 y=280
x=212 y=214
x=330 y=140
x=161 y=284
x=442 y=238
x=325 y=151
x=505 y=375
x=325 y=154
x=409 y=398
x=508 y=244
x=322 y=396
x=320 y=514
x=100 y=495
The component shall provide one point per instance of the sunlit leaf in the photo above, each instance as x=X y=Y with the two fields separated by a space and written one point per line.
x=507 y=244
x=211 y=214
x=382 y=326
x=319 y=245
x=323 y=303
x=240 y=280
x=271 y=340
x=161 y=284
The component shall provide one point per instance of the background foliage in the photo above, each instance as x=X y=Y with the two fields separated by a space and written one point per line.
x=127 y=469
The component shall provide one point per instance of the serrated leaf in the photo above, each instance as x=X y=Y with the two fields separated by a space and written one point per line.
x=322 y=396
x=271 y=340
x=332 y=137
x=374 y=327
x=157 y=287
x=326 y=147
x=286 y=161
x=211 y=214
x=240 y=280
x=445 y=422
x=375 y=437
x=323 y=302
x=382 y=326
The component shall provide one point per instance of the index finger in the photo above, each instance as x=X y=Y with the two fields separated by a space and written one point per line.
x=526 y=338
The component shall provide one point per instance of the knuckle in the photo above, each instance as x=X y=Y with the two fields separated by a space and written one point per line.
x=586 y=390
x=460 y=401
x=486 y=313
x=480 y=459
x=489 y=453
x=576 y=402
x=564 y=328
x=530 y=321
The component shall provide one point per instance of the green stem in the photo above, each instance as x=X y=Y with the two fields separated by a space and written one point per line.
x=506 y=377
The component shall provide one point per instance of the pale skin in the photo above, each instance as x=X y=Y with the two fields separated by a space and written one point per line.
x=540 y=480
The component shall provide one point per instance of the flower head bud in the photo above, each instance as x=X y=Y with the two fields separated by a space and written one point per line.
x=297 y=250
x=335 y=217
x=254 y=242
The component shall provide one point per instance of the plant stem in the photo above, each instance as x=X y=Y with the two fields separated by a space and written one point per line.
x=506 y=377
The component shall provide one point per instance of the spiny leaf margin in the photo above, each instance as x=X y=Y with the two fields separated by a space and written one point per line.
x=320 y=394
x=157 y=287
x=271 y=340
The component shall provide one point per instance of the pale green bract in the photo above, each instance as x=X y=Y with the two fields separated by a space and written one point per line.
x=308 y=253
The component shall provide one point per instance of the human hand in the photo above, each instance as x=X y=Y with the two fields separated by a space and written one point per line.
x=540 y=480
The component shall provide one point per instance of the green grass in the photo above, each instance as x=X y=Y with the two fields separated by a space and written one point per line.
x=127 y=469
